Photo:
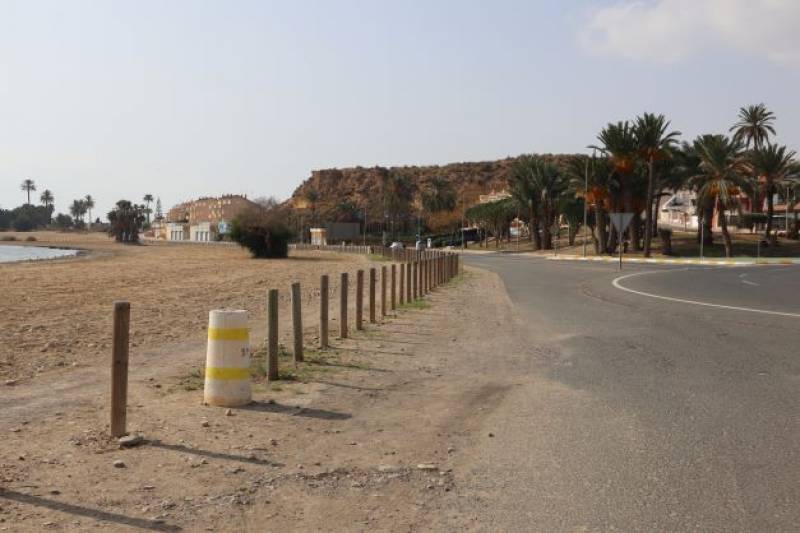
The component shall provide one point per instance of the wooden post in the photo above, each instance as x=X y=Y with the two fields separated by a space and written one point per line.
x=394 y=287
x=297 y=322
x=323 y=311
x=383 y=290
x=372 y=282
x=360 y=299
x=402 y=283
x=343 y=307
x=408 y=283
x=272 y=335
x=415 y=279
x=119 y=368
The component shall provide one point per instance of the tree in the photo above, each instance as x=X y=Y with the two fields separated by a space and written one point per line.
x=721 y=176
x=495 y=216
x=47 y=198
x=438 y=196
x=126 y=220
x=263 y=232
x=159 y=210
x=63 y=221
x=28 y=186
x=88 y=204
x=78 y=210
x=618 y=142
x=752 y=129
x=148 y=199
x=654 y=143
x=774 y=164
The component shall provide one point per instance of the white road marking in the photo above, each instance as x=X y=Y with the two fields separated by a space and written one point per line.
x=750 y=283
x=616 y=283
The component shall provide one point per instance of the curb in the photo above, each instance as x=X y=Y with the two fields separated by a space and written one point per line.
x=652 y=261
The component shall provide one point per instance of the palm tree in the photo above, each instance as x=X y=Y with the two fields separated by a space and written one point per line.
x=753 y=128
x=538 y=184
x=721 y=175
x=78 y=210
x=148 y=199
x=522 y=191
x=774 y=164
x=28 y=186
x=47 y=198
x=601 y=186
x=88 y=204
x=618 y=142
x=654 y=144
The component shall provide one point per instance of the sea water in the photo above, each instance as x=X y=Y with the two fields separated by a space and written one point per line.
x=9 y=253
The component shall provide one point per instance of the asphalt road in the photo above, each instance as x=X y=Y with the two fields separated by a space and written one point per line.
x=642 y=412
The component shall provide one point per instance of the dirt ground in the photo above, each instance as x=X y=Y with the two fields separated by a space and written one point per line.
x=372 y=434
x=58 y=313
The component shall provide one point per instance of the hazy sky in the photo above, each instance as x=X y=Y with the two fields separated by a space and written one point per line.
x=187 y=98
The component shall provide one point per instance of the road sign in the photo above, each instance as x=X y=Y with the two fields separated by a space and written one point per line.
x=621 y=220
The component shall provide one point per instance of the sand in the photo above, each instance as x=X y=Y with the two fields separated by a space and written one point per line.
x=58 y=313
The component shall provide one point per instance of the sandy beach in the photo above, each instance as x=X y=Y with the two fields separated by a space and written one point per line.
x=58 y=313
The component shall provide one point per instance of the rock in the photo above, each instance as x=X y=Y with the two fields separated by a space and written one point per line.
x=491 y=434
x=236 y=470
x=273 y=442
x=15 y=430
x=129 y=441
x=228 y=412
x=427 y=466
x=451 y=449
x=55 y=492
x=205 y=423
x=148 y=487
x=11 y=382
x=388 y=468
x=119 y=464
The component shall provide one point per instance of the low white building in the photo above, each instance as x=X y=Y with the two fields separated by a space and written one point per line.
x=201 y=232
x=678 y=211
x=176 y=231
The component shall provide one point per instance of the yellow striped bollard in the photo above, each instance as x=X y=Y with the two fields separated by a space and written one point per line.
x=228 y=359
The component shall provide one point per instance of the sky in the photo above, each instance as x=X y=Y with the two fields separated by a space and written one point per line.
x=180 y=99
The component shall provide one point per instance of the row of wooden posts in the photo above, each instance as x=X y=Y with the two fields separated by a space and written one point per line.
x=415 y=280
x=417 y=277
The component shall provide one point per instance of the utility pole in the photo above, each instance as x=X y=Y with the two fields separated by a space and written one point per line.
x=365 y=225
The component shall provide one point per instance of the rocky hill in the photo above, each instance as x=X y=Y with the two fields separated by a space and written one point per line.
x=325 y=191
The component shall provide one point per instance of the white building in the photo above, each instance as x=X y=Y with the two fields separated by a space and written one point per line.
x=678 y=211
x=201 y=232
x=176 y=231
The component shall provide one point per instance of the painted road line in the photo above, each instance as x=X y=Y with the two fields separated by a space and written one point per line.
x=616 y=283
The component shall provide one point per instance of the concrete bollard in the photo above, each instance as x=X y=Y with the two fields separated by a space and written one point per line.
x=227 y=381
x=343 y=306
x=360 y=300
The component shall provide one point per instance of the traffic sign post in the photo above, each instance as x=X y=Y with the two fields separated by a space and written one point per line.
x=620 y=221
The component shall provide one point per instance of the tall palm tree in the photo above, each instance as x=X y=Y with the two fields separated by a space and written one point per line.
x=47 y=198
x=28 y=186
x=774 y=164
x=148 y=199
x=88 y=204
x=721 y=175
x=753 y=129
x=601 y=187
x=526 y=197
x=618 y=142
x=654 y=143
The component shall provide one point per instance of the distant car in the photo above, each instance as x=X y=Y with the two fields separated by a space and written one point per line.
x=420 y=246
x=397 y=245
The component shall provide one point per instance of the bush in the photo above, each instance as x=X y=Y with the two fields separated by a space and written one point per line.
x=263 y=232
x=749 y=220
x=125 y=221
x=8 y=238
x=30 y=238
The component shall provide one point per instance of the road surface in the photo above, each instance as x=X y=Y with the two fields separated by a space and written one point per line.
x=668 y=401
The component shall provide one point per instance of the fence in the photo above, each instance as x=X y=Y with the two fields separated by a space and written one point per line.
x=422 y=270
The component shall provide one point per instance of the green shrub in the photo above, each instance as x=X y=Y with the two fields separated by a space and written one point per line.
x=263 y=232
x=8 y=238
x=30 y=238
x=749 y=220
